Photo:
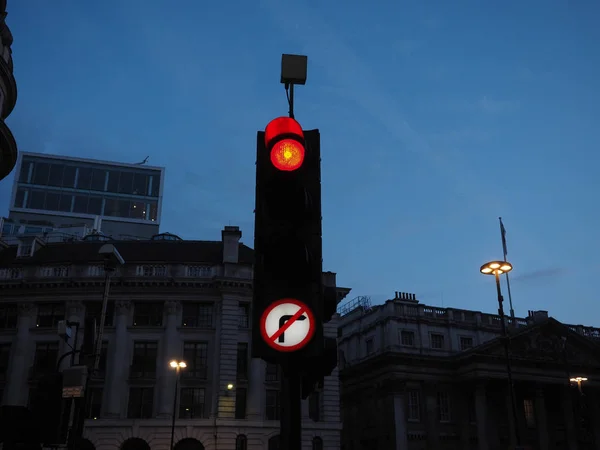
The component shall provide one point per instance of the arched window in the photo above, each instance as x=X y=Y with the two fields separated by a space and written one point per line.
x=241 y=443
x=135 y=444
x=274 y=443
x=317 y=443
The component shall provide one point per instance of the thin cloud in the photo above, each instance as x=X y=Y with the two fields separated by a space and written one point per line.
x=551 y=272
x=494 y=106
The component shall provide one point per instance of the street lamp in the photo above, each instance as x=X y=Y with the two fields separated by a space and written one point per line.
x=578 y=380
x=497 y=268
x=177 y=366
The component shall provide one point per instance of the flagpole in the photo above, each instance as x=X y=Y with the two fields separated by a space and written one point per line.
x=505 y=252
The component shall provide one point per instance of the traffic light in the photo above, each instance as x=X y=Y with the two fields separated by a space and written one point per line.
x=286 y=308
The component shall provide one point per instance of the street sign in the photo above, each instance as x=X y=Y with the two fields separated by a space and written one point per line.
x=287 y=325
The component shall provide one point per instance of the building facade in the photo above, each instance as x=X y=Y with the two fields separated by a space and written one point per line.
x=171 y=300
x=8 y=96
x=419 y=377
x=49 y=191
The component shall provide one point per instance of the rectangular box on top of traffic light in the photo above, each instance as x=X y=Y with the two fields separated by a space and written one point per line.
x=287 y=242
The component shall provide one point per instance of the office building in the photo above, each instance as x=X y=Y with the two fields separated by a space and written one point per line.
x=417 y=377
x=121 y=200
x=171 y=300
x=8 y=97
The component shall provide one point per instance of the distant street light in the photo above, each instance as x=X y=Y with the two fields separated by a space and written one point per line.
x=497 y=268
x=578 y=380
x=177 y=365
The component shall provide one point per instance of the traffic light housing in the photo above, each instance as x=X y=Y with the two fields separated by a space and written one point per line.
x=287 y=232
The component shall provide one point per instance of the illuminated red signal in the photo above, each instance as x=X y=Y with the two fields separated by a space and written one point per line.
x=284 y=138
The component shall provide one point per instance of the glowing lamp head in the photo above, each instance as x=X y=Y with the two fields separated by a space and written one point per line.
x=287 y=155
x=284 y=137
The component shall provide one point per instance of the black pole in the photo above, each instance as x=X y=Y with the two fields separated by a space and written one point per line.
x=174 y=409
x=291 y=100
x=291 y=409
x=511 y=385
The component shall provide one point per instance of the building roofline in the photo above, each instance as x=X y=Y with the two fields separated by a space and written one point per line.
x=91 y=161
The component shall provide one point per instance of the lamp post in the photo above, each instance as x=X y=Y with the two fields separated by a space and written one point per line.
x=497 y=268
x=177 y=366
x=578 y=381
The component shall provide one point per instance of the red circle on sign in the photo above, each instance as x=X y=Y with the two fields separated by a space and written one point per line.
x=270 y=342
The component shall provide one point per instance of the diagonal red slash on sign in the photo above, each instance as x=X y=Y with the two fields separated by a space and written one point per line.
x=288 y=324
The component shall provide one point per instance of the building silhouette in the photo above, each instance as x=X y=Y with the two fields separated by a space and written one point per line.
x=173 y=299
x=53 y=192
x=8 y=96
x=419 y=377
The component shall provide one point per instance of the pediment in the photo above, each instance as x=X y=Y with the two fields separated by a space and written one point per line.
x=551 y=342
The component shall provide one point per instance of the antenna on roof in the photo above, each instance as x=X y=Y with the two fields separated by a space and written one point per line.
x=143 y=162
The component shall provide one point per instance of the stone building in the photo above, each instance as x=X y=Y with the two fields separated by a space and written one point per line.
x=8 y=96
x=172 y=299
x=419 y=377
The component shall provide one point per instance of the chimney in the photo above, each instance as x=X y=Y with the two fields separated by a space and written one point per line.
x=230 y=236
x=329 y=279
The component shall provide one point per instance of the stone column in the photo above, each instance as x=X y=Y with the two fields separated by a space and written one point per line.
x=256 y=388
x=569 y=417
x=481 y=416
x=431 y=416
x=400 y=419
x=21 y=357
x=120 y=362
x=542 y=422
x=171 y=349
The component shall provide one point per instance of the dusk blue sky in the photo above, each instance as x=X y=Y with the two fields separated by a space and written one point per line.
x=436 y=117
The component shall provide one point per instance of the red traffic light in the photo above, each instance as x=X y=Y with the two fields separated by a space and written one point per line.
x=284 y=138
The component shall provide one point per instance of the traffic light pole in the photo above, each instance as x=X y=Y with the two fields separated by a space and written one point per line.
x=291 y=408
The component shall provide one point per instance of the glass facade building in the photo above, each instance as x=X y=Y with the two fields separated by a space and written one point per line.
x=59 y=189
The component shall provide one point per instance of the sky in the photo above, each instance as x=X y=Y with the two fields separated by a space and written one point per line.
x=436 y=118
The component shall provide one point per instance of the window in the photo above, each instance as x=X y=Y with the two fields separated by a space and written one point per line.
x=98 y=180
x=195 y=354
x=317 y=443
x=437 y=341
x=36 y=199
x=113 y=181
x=153 y=211
x=41 y=172
x=81 y=204
x=8 y=316
x=94 y=205
x=4 y=358
x=272 y=405
x=137 y=210
x=443 y=404
x=20 y=198
x=144 y=358
x=154 y=184
x=126 y=183
x=69 y=176
x=56 y=175
x=52 y=201
x=84 y=178
x=466 y=342
x=241 y=443
x=272 y=373
x=141 y=402
x=274 y=443
x=191 y=403
x=244 y=314
x=111 y=207
x=198 y=315
x=24 y=250
x=240 y=403
x=314 y=406
x=140 y=184
x=407 y=338
x=93 y=399
x=242 y=361
x=94 y=309
x=64 y=203
x=414 y=405
x=148 y=314
x=24 y=173
x=529 y=409
x=49 y=314
x=46 y=354
x=370 y=344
